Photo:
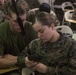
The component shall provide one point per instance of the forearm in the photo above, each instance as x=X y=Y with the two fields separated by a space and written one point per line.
x=5 y=63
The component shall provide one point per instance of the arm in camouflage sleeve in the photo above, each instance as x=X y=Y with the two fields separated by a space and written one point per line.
x=23 y=61
x=21 y=58
x=40 y=67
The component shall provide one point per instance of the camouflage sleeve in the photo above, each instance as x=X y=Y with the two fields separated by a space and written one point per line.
x=21 y=58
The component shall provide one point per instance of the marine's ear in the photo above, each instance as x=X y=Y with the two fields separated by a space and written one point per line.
x=7 y=17
x=52 y=26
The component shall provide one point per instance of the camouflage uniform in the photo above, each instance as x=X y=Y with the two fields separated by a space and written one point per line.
x=7 y=4
x=32 y=15
x=2 y=17
x=59 y=56
x=33 y=3
x=6 y=7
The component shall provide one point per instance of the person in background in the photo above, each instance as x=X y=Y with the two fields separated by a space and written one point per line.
x=4 y=5
x=12 y=41
x=43 y=7
x=2 y=16
x=1 y=4
x=33 y=3
x=55 y=52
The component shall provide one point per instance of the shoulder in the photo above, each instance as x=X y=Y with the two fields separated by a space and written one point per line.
x=38 y=40
x=4 y=27
x=69 y=43
x=66 y=40
x=4 y=24
x=3 y=31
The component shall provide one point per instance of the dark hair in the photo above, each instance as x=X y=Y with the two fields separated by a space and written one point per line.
x=44 y=7
x=45 y=18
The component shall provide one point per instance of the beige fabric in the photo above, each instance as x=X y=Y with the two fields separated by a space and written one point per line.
x=26 y=71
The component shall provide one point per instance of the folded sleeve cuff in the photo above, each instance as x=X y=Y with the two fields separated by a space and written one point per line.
x=20 y=61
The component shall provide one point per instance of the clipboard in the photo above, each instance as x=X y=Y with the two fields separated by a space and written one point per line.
x=2 y=71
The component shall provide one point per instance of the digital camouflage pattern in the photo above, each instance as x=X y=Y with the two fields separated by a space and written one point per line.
x=33 y=3
x=6 y=6
x=2 y=17
x=59 y=57
x=23 y=4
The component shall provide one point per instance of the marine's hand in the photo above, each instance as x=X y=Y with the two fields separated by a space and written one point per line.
x=30 y=63
x=40 y=68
